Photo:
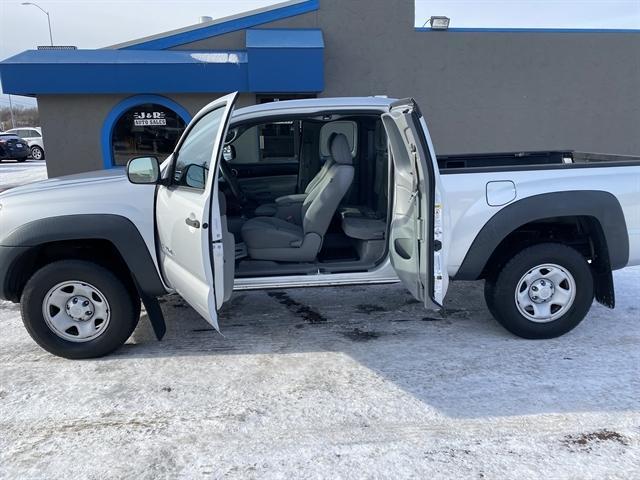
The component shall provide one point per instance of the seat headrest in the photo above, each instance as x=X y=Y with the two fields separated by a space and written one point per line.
x=340 y=150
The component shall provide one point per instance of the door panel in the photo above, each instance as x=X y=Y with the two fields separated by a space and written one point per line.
x=267 y=189
x=263 y=183
x=262 y=170
x=266 y=159
x=187 y=274
x=412 y=238
x=188 y=212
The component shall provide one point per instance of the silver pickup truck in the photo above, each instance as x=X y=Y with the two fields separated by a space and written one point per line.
x=332 y=191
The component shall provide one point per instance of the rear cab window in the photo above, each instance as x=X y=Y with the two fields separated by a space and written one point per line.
x=268 y=143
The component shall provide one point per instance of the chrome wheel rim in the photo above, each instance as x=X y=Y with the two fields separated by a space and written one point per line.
x=76 y=311
x=36 y=153
x=545 y=293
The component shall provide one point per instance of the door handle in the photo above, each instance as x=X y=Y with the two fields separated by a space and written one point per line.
x=192 y=223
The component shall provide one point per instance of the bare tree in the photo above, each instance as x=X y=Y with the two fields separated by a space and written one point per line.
x=23 y=117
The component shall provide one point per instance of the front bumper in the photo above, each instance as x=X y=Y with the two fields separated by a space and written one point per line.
x=15 y=154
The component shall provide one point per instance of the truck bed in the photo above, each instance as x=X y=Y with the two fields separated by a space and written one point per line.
x=530 y=160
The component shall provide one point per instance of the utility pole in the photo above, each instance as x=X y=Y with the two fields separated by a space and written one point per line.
x=13 y=122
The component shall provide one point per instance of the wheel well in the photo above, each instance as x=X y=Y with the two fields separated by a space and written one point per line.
x=583 y=233
x=102 y=252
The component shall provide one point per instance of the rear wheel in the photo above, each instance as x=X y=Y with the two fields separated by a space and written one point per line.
x=77 y=309
x=542 y=292
x=37 y=153
x=20 y=160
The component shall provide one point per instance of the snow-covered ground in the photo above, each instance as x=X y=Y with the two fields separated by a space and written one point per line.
x=331 y=383
x=13 y=173
x=328 y=383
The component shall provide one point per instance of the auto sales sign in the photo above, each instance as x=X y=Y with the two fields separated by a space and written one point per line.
x=146 y=119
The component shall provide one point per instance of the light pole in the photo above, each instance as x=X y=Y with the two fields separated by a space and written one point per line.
x=48 y=18
x=13 y=122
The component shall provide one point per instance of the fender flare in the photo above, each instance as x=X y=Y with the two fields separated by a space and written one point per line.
x=603 y=206
x=118 y=230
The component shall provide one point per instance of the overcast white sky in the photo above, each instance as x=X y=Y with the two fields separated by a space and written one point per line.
x=98 y=23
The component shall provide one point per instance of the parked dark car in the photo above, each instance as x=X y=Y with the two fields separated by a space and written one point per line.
x=13 y=147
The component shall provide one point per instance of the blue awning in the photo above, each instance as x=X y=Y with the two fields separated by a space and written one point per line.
x=274 y=61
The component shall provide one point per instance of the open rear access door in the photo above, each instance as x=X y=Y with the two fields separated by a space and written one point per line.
x=416 y=242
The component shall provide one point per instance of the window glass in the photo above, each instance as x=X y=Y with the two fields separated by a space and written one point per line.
x=275 y=142
x=146 y=130
x=192 y=166
x=34 y=133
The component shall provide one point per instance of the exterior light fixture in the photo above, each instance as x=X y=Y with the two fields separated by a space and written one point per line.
x=438 y=23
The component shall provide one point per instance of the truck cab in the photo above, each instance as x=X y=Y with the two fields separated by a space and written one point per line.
x=200 y=256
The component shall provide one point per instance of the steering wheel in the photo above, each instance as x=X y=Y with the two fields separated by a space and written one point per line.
x=233 y=183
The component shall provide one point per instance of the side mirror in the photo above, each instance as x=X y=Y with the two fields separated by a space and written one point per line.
x=143 y=170
x=229 y=153
x=195 y=176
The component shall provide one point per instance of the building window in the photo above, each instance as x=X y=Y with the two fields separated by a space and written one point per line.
x=145 y=129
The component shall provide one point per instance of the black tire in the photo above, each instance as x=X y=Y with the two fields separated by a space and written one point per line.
x=500 y=296
x=37 y=153
x=489 y=287
x=124 y=309
x=21 y=160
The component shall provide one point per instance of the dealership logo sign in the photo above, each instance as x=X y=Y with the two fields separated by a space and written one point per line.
x=146 y=119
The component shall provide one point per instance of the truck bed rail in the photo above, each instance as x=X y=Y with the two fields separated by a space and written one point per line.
x=530 y=160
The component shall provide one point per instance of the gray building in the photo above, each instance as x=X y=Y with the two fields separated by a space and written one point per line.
x=480 y=90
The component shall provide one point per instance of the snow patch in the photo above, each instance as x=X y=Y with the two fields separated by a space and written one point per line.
x=234 y=58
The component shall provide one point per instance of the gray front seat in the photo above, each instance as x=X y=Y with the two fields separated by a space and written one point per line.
x=272 y=238
x=282 y=205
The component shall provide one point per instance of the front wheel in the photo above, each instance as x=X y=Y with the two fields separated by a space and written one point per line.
x=77 y=309
x=543 y=292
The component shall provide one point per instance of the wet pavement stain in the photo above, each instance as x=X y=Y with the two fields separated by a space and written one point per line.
x=228 y=308
x=297 y=308
x=357 y=335
x=369 y=309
